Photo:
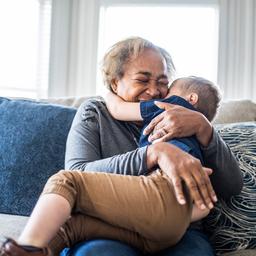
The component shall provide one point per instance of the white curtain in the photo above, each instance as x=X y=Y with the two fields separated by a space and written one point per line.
x=237 y=49
x=73 y=48
x=44 y=35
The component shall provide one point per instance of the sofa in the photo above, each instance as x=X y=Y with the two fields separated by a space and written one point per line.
x=32 y=147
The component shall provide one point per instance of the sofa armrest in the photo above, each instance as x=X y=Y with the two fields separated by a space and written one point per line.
x=236 y=111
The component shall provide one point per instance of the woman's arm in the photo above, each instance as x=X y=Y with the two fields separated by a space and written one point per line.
x=97 y=142
x=181 y=167
x=227 y=177
x=181 y=122
x=122 y=110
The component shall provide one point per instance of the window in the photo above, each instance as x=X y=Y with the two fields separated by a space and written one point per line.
x=189 y=33
x=24 y=50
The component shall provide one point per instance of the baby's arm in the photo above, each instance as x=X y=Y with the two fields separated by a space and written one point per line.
x=122 y=110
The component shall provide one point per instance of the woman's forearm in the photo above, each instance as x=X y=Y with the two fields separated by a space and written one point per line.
x=204 y=130
x=181 y=167
x=130 y=163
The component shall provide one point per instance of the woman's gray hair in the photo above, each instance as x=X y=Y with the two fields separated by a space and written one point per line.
x=122 y=52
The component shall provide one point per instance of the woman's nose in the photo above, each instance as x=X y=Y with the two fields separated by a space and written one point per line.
x=152 y=90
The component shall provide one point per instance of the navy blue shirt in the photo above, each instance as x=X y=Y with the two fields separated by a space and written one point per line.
x=149 y=110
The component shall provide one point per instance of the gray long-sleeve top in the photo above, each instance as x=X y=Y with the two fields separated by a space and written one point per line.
x=98 y=142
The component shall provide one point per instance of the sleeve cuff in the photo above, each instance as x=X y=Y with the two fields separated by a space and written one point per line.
x=213 y=142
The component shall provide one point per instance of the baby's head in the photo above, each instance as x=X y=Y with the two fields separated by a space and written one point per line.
x=203 y=94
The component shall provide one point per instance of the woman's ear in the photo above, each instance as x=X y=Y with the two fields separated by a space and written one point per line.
x=114 y=85
x=192 y=98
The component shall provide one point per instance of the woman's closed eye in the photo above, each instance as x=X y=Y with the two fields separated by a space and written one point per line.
x=163 y=82
x=159 y=82
x=142 y=81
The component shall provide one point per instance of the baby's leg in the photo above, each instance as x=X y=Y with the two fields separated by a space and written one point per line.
x=81 y=228
x=145 y=205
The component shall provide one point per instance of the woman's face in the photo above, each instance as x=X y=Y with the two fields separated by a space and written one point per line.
x=145 y=78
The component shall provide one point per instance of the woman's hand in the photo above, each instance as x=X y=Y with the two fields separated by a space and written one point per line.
x=176 y=122
x=180 y=166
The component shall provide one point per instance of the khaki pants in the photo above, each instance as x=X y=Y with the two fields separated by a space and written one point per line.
x=139 y=210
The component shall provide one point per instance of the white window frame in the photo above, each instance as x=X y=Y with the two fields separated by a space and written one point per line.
x=158 y=2
x=38 y=86
x=74 y=61
x=73 y=68
x=104 y=4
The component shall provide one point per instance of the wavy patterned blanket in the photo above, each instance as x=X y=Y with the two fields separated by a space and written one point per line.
x=232 y=224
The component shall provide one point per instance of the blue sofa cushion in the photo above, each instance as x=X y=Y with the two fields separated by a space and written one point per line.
x=32 y=148
x=231 y=225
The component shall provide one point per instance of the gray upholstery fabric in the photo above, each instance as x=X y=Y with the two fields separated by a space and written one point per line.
x=69 y=102
x=11 y=225
x=236 y=111
x=241 y=253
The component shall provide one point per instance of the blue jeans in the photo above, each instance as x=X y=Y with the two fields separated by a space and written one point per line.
x=193 y=243
x=101 y=247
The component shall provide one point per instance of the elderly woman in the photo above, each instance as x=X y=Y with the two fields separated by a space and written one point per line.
x=136 y=70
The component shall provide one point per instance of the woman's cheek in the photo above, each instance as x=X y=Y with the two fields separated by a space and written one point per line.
x=136 y=94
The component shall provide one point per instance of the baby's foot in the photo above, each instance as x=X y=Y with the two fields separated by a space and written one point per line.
x=11 y=248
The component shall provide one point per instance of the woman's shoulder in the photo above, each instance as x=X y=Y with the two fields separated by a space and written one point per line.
x=96 y=103
x=93 y=107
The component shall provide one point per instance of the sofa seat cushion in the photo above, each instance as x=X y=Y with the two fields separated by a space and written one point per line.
x=231 y=225
x=11 y=225
x=32 y=147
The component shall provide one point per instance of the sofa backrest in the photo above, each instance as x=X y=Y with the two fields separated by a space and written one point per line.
x=32 y=144
x=32 y=148
x=234 y=111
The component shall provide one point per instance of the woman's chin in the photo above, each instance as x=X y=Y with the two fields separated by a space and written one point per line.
x=146 y=98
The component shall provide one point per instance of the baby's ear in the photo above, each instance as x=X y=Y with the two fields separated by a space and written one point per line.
x=192 y=98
